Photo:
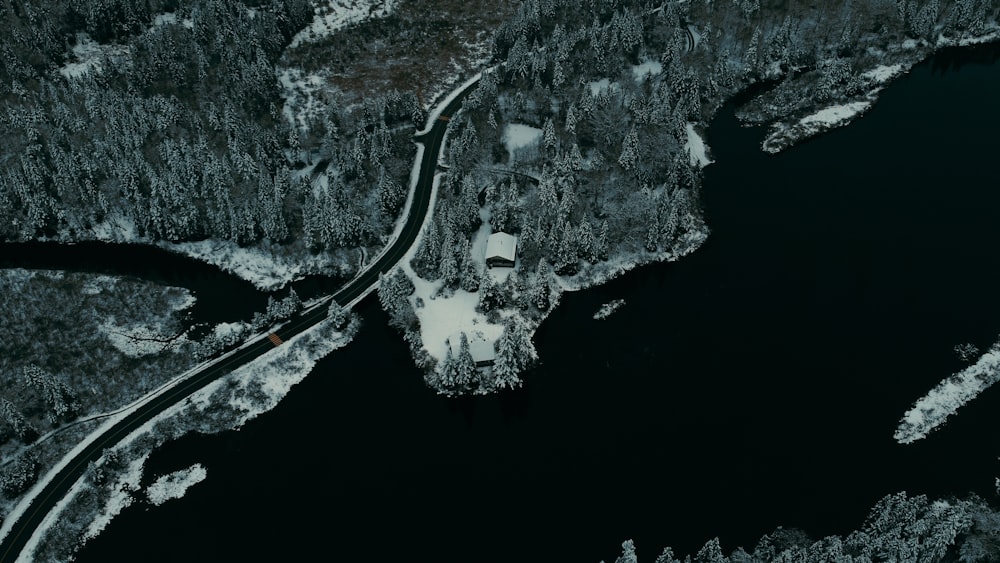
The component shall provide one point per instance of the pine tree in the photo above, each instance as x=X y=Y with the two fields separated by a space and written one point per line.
x=447 y=370
x=449 y=265
x=465 y=366
x=571 y=119
x=630 y=150
x=56 y=394
x=19 y=474
x=549 y=134
x=428 y=257
x=467 y=207
x=393 y=290
x=666 y=556
x=601 y=245
x=750 y=58
x=710 y=553
x=515 y=353
x=628 y=553
x=585 y=238
x=16 y=421
x=490 y=294
x=337 y=314
x=469 y=274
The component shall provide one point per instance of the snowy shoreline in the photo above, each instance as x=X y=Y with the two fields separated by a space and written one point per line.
x=783 y=134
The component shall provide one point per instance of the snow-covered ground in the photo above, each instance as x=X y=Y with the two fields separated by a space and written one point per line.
x=170 y=17
x=305 y=96
x=441 y=317
x=598 y=87
x=174 y=485
x=262 y=265
x=883 y=73
x=87 y=55
x=948 y=396
x=138 y=340
x=696 y=147
x=517 y=136
x=645 y=70
x=338 y=14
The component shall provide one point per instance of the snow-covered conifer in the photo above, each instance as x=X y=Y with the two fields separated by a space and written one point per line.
x=571 y=119
x=465 y=366
x=549 y=134
x=10 y=415
x=57 y=395
x=628 y=553
x=393 y=290
x=19 y=474
x=490 y=294
x=630 y=150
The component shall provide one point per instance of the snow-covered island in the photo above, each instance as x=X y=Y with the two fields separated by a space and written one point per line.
x=608 y=309
x=947 y=397
x=174 y=485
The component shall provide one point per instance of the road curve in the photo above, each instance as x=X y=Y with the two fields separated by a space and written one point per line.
x=60 y=484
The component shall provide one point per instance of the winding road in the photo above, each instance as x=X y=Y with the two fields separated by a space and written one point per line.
x=57 y=487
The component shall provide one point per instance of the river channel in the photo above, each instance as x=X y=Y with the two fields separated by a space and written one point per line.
x=754 y=384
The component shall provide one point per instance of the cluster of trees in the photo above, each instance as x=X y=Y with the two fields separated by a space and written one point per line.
x=610 y=175
x=19 y=474
x=458 y=373
x=899 y=528
x=174 y=130
x=277 y=310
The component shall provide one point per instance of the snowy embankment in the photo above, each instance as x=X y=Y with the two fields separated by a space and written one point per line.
x=696 y=147
x=338 y=14
x=174 y=485
x=264 y=266
x=948 y=396
x=603 y=272
x=227 y=403
x=267 y=266
x=783 y=135
x=121 y=498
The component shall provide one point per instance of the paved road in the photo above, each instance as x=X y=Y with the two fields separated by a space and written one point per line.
x=63 y=481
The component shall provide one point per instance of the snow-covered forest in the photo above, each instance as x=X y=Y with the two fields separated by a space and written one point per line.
x=163 y=121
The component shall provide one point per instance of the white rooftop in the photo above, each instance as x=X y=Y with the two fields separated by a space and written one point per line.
x=481 y=349
x=501 y=245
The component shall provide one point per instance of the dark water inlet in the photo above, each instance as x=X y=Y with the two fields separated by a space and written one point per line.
x=222 y=297
x=753 y=384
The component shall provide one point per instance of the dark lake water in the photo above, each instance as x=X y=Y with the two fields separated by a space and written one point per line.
x=754 y=384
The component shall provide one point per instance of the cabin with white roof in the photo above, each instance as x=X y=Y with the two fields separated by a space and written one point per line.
x=482 y=350
x=501 y=249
